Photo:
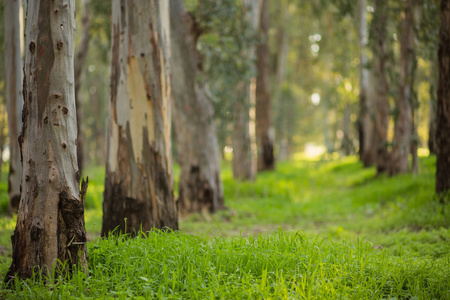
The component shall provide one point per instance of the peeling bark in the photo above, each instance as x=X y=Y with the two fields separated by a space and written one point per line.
x=200 y=185
x=399 y=162
x=264 y=129
x=139 y=183
x=14 y=99
x=50 y=223
x=443 y=110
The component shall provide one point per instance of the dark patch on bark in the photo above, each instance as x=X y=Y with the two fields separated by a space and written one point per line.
x=32 y=47
x=152 y=204
x=59 y=45
x=71 y=228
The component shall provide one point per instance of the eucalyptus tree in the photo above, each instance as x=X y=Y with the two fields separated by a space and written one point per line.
x=14 y=99
x=139 y=178
x=401 y=142
x=263 y=118
x=443 y=111
x=380 y=35
x=50 y=231
x=200 y=185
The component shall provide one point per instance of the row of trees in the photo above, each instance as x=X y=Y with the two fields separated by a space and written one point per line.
x=157 y=73
x=155 y=68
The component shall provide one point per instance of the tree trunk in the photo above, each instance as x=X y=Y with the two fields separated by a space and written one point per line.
x=243 y=158
x=433 y=110
x=347 y=145
x=200 y=184
x=242 y=147
x=382 y=86
x=80 y=60
x=403 y=124
x=367 y=151
x=139 y=183
x=264 y=130
x=443 y=111
x=50 y=223
x=14 y=98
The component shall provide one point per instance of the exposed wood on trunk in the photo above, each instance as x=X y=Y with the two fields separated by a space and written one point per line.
x=50 y=223
x=443 y=111
x=404 y=101
x=264 y=129
x=382 y=86
x=80 y=60
x=200 y=186
x=243 y=156
x=14 y=98
x=139 y=179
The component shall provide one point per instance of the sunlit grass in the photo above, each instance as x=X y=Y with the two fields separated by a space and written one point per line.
x=345 y=234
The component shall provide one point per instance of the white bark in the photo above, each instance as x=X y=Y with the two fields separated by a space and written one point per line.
x=14 y=97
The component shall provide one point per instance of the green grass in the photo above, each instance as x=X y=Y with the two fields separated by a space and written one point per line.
x=309 y=230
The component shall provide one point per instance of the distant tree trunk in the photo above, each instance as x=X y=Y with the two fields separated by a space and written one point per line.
x=139 y=177
x=14 y=97
x=50 y=223
x=443 y=110
x=382 y=86
x=80 y=60
x=433 y=110
x=347 y=145
x=200 y=185
x=242 y=142
x=264 y=130
x=366 y=149
x=242 y=148
x=403 y=123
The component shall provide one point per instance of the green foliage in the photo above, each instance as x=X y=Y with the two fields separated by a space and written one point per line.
x=345 y=234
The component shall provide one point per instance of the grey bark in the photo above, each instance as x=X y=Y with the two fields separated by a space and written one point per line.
x=200 y=185
x=139 y=177
x=50 y=223
x=14 y=98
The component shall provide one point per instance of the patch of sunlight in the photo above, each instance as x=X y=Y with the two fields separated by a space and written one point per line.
x=423 y=152
x=312 y=152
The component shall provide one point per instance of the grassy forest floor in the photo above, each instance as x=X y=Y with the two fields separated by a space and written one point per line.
x=309 y=230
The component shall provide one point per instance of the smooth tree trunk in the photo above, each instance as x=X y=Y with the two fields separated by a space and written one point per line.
x=50 y=224
x=432 y=143
x=14 y=97
x=399 y=157
x=243 y=158
x=200 y=185
x=80 y=61
x=367 y=151
x=139 y=181
x=382 y=86
x=242 y=144
x=443 y=110
x=264 y=129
